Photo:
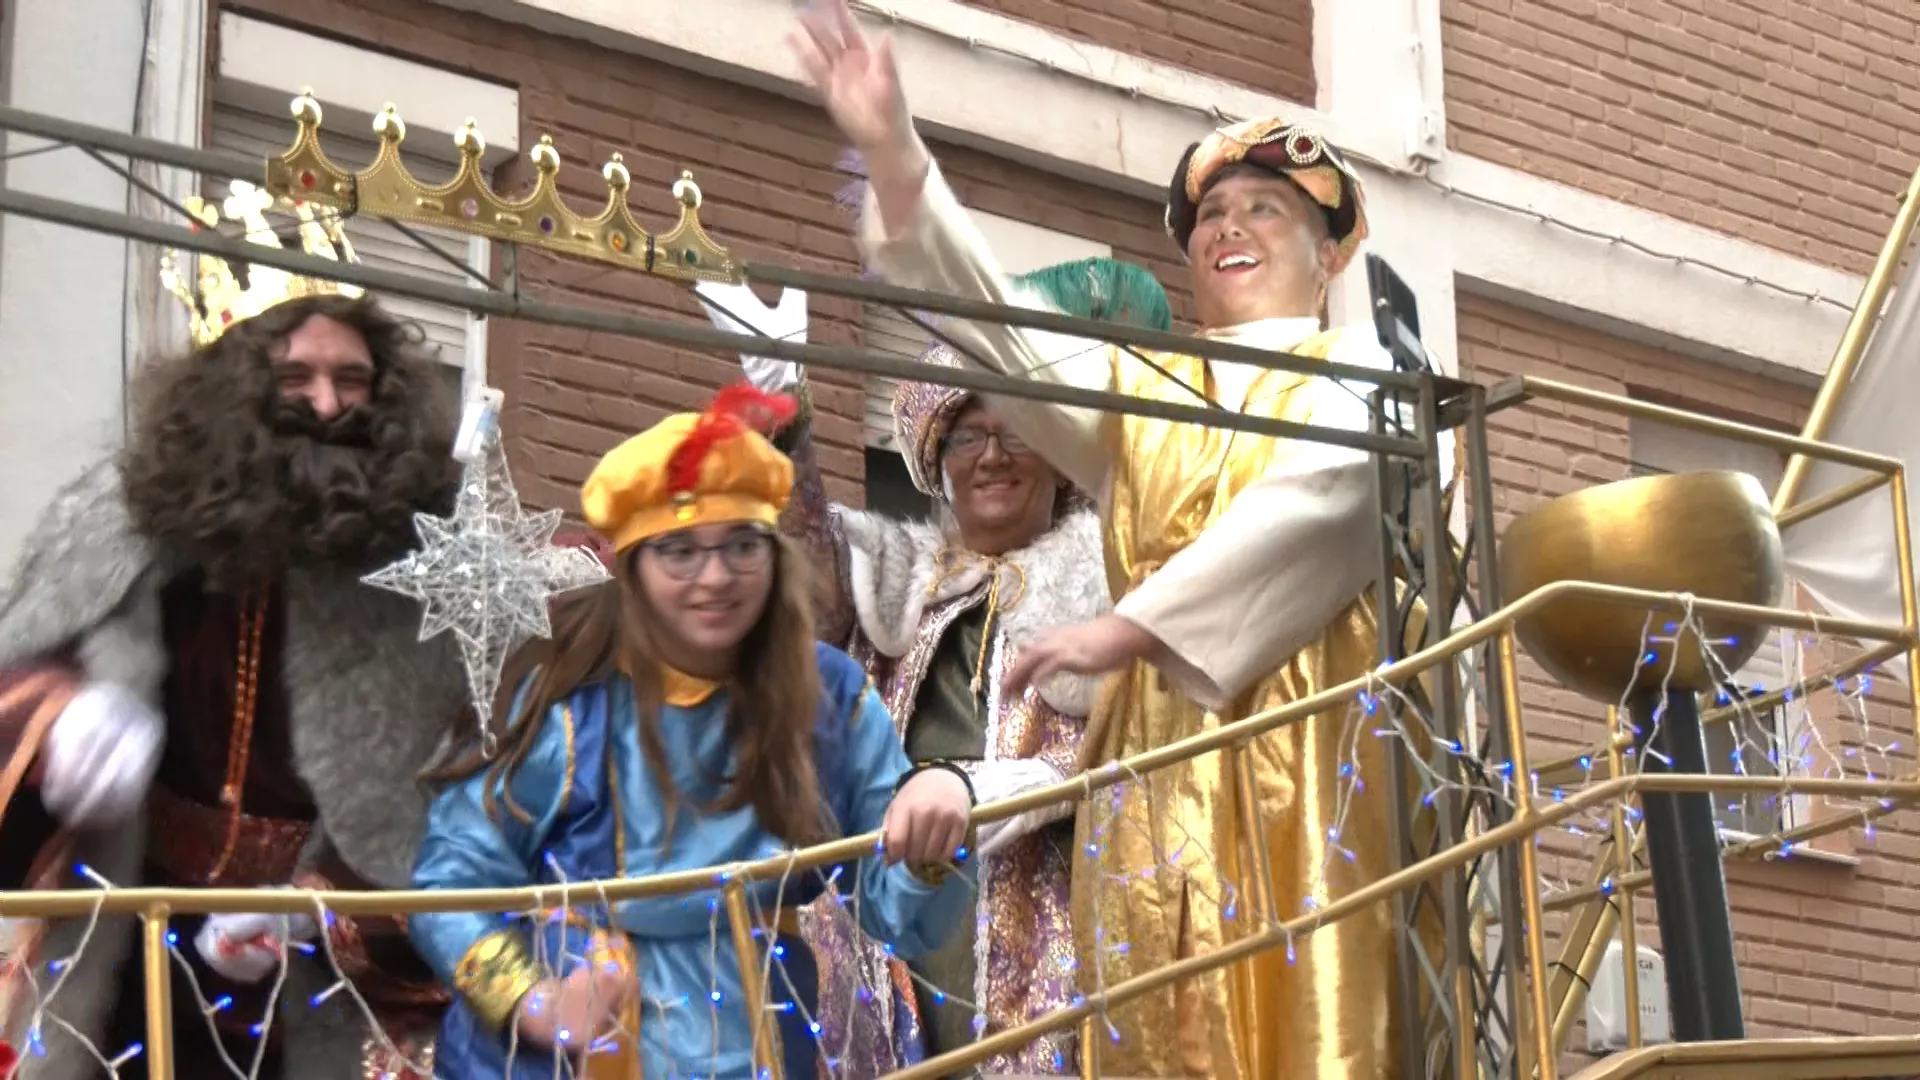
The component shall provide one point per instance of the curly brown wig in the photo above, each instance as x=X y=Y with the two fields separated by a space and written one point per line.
x=241 y=483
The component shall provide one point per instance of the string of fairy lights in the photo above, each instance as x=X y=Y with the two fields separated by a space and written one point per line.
x=1804 y=744
x=1799 y=745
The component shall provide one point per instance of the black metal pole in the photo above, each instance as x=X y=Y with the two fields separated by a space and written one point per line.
x=1689 y=885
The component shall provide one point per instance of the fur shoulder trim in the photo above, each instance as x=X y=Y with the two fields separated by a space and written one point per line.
x=1066 y=583
x=891 y=568
x=78 y=574
x=371 y=705
x=897 y=570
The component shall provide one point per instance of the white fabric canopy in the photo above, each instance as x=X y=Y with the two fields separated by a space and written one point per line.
x=1845 y=557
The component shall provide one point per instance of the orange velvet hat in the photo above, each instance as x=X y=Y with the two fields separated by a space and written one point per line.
x=694 y=469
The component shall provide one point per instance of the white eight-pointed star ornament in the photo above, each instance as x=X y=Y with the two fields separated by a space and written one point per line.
x=488 y=571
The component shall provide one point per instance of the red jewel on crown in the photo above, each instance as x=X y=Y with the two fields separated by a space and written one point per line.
x=1301 y=147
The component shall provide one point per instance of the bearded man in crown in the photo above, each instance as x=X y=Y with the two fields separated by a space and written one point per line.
x=1243 y=569
x=200 y=691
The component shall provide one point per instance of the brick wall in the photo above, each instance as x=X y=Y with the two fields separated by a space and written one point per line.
x=1791 y=124
x=1263 y=44
x=767 y=166
x=1824 y=948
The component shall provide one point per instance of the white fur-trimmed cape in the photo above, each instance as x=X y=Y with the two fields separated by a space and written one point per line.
x=895 y=575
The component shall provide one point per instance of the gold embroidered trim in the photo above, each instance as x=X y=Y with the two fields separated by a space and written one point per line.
x=566 y=789
x=619 y=817
x=494 y=975
x=860 y=702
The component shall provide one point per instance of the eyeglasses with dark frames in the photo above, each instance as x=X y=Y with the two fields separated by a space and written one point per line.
x=966 y=443
x=745 y=551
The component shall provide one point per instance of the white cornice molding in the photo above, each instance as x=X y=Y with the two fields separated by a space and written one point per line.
x=1121 y=121
x=1723 y=310
x=974 y=77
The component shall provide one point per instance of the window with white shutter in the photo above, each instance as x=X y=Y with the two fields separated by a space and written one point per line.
x=262 y=65
x=1020 y=247
x=1757 y=743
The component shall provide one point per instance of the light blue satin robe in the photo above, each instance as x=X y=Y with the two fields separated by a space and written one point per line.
x=596 y=813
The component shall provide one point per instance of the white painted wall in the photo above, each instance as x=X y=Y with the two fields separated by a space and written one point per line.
x=65 y=320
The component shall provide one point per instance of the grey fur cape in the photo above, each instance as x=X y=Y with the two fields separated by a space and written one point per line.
x=370 y=706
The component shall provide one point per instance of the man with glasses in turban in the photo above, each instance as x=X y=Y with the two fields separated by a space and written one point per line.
x=1244 y=568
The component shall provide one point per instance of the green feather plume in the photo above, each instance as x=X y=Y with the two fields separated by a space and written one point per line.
x=1104 y=289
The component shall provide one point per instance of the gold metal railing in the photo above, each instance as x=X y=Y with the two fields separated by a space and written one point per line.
x=1853 y=342
x=1820 y=1058
x=155 y=905
x=1593 y=927
x=66 y=903
x=1540 y=1025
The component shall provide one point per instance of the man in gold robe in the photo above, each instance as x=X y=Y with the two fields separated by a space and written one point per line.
x=1243 y=568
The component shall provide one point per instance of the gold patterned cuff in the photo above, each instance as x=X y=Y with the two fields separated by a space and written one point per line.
x=494 y=975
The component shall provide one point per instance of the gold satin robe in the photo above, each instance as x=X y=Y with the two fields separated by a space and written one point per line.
x=1329 y=1011
x=1155 y=888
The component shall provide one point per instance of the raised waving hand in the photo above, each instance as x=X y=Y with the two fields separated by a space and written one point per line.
x=860 y=85
x=857 y=79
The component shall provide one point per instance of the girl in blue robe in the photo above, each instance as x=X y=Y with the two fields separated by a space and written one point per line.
x=681 y=717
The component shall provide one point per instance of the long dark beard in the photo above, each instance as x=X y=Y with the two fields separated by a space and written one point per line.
x=331 y=500
x=298 y=491
x=222 y=473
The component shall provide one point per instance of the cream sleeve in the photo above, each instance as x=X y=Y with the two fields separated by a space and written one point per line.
x=940 y=250
x=1292 y=550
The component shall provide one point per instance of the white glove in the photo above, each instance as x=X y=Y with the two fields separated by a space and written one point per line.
x=997 y=780
x=246 y=948
x=735 y=309
x=101 y=755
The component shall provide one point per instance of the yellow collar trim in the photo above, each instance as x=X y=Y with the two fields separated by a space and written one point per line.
x=684 y=691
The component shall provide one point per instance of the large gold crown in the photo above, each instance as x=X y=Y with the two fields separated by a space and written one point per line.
x=468 y=204
x=222 y=295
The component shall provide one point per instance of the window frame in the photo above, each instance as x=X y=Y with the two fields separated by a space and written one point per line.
x=1716 y=454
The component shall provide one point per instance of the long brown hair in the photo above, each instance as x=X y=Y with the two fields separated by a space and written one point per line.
x=773 y=695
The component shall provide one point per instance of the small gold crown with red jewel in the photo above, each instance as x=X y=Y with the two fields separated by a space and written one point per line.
x=468 y=204
x=220 y=295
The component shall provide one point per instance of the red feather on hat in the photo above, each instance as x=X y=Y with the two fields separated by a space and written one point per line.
x=741 y=407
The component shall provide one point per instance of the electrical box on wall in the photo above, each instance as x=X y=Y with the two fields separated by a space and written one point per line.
x=1607 y=1002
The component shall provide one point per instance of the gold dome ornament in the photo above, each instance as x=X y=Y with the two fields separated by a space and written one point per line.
x=468 y=203
x=1710 y=534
